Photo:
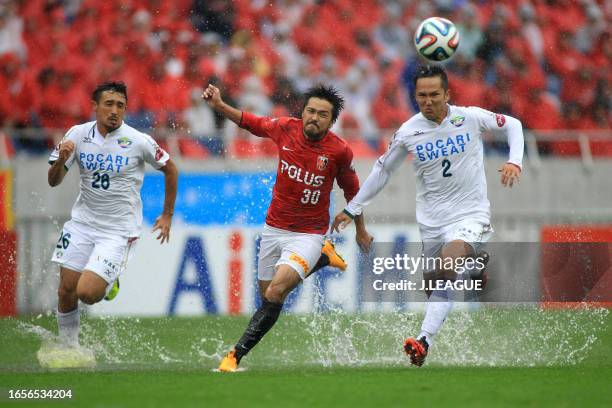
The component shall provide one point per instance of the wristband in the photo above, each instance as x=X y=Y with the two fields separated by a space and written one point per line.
x=349 y=214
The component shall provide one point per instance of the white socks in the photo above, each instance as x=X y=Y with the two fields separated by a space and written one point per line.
x=68 y=326
x=438 y=308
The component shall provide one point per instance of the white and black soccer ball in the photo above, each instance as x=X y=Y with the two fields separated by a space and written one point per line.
x=436 y=39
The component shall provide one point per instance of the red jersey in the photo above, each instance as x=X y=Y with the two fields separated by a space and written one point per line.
x=305 y=175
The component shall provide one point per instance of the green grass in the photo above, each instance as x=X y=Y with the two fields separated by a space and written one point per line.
x=493 y=357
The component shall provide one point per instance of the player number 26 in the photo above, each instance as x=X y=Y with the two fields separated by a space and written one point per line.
x=63 y=241
x=100 y=180
x=310 y=196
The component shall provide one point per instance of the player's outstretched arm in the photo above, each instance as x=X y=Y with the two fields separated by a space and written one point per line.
x=57 y=171
x=374 y=183
x=212 y=96
x=363 y=238
x=341 y=221
x=513 y=129
x=164 y=221
x=349 y=183
x=511 y=171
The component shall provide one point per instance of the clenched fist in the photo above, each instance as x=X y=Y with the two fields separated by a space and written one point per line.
x=66 y=148
x=212 y=96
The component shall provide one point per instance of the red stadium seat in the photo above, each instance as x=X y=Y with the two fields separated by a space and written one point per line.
x=244 y=149
x=191 y=149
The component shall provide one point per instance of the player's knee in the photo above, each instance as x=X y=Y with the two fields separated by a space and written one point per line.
x=66 y=292
x=276 y=293
x=88 y=295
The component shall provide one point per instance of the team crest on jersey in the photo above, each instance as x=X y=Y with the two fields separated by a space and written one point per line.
x=457 y=120
x=124 y=142
x=159 y=153
x=322 y=162
x=501 y=119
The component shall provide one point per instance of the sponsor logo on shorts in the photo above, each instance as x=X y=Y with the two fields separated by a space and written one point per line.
x=109 y=264
x=110 y=267
x=301 y=261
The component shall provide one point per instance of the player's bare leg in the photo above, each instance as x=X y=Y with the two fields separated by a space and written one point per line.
x=263 y=285
x=274 y=294
x=438 y=305
x=285 y=280
x=91 y=288
x=67 y=299
x=68 y=318
x=453 y=250
x=480 y=273
x=68 y=353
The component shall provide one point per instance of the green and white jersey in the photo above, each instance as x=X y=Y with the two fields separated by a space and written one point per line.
x=449 y=165
x=112 y=172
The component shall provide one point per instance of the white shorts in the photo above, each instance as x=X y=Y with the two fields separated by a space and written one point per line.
x=301 y=251
x=81 y=247
x=475 y=233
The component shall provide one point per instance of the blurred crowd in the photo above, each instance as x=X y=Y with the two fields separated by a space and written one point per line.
x=546 y=62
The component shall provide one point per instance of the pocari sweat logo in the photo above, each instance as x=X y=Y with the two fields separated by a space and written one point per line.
x=442 y=147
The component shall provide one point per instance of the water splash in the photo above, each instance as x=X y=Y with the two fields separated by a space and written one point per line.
x=125 y=342
x=490 y=337
x=38 y=331
x=494 y=337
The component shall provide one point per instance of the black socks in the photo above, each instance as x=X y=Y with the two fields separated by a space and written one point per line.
x=321 y=263
x=261 y=322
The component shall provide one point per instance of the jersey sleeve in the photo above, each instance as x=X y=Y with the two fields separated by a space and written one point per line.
x=347 y=176
x=73 y=135
x=153 y=153
x=379 y=176
x=511 y=127
x=261 y=126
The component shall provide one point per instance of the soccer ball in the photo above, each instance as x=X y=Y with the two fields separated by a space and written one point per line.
x=436 y=39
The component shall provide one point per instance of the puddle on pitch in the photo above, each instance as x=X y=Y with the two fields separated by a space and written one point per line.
x=490 y=336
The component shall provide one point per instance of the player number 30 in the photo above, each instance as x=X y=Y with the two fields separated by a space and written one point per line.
x=310 y=196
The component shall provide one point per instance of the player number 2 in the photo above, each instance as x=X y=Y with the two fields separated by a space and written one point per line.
x=100 y=180
x=446 y=164
x=310 y=196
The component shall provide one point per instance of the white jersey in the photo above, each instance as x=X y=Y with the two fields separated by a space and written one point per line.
x=449 y=165
x=112 y=172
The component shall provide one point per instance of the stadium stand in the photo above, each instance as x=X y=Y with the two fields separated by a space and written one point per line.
x=550 y=69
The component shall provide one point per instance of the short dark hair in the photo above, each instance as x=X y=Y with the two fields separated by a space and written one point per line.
x=113 y=86
x=430 y=71
x=328 y=93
